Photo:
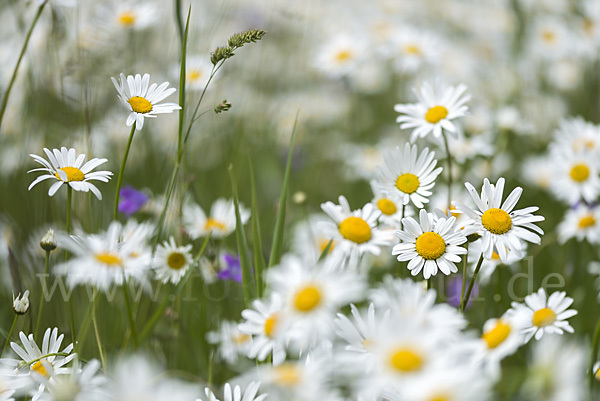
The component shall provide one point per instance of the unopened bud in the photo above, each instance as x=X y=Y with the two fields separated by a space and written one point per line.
x=21 y=304
x=48 y=243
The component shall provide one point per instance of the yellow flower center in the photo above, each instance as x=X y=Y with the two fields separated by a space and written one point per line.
x=497 y=335
x=496 y=221
x=323 y=244
x=194 y=75
x=109 y=259
x=548 y=36
x=270 y=325
x=386 y=206
x=430 y=245
x=440 y=398
x=407 y=183
x=127 y=18
x=587 y=221
x=355 y=229
x=544 y=317
x=287 y=375
x=495 y=255
x=176 y=260
x=436 y=114
x=140 y=105
x=580 y=172
x=241 y=338
x=597 y=374
x=343 y=55
x=412 y=49
x=39 y=368
x=307 y=298
x=73 y=174
x=212 y=224
x=405 y=360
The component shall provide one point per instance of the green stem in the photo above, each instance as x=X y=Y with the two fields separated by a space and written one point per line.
x=120 y=178
x=10 y=333
x=464 y=277
x=465 y=301
x=97 y=332
x=595 y=349
x=449 y=158
x=163 y=214
x=71 y=314
x=39 y=318
x=129 y=313
x=16 y=70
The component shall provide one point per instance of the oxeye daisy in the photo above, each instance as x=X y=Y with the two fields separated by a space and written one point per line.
x=438 y=105
x=409 y=176
x=430 y=244
x=500 y=226
x=354 y=232
x=232 y=341
x=544 y=314
x=575 y=177
x=172 y=261
x=309 y=241
x=66 y=166
x=581 y=222
x=143 y=100
x=220 y=223
x=235 y=394
x=391 y=208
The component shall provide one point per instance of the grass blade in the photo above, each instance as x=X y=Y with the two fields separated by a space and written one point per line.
x=259 y=259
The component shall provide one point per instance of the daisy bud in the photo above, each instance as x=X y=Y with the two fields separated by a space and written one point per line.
x=48 y=243
x=21 y=304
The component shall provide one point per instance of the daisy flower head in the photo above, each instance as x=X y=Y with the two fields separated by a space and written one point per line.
x=430 y=245
x=143 y=100
x=236 y=394
x=132 y=15
x=581 y=222
x=502 y=228
x=66 y=166
x=82 y=384
x=341 y=55
x=576 y=176
x=219 y=224
x=354 y=232
x=197 y=72
x=232 y=342
x=411 y=50
x=172 y=261
x=409 y=176
x=544 y=314
x=438 y=106
x=390 y=207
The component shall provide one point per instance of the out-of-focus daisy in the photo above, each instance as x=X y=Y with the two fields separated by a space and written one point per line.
x=197 y=72
x=354 y=232
x=544 y=314
x=220 y=223
x=82 y=384
x=411 y=50
x=232 y=342
x=65 y=166
x=133 y=15
x=409 y=176
x=235 y=394
x=575 y=176
x=430 y=245
x=538 y=171
x=500 y=226
x=390 y=207
x=108 y=258
x=489 y=266
x=264 y=323
x=309 y=241
x=550 y=38
x=438 y=105
x=341 y=55
x=443 y=384
x=143 y=100
x=172 y=261
x=581 y=222
x=578 y=135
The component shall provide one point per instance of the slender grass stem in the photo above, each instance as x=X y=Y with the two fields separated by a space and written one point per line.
x=71 y=313
x=41 y=308
x=97 y=332
x=595 y=349
x=464 y=276
x=16 y=70
x=10 y=333
x=122 y=169
x=449 y=158
x=465 y=301
x=129 y=312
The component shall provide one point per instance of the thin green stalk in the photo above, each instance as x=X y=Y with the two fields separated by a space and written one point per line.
x=122 y=169
x=71 y=314
x=449 y=158
x=163 y=214
x=129 y=312
x=259 y=260
x=16 y=70
x=39 y=318
x=464 y=277
x=10 y=333
x=97 y=332
x=465 y=301
x=595 y=349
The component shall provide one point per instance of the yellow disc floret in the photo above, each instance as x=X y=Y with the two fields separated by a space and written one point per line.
x=176 y=260
x=39 y=368
x=436 y=114
x=587 y=221
x=407 y=183
x=270 y=325
x=497 y=335
x=430 y=245
x=496 y=221
x=287 y=374
x=386 y=206
x=73 y=174
x=355 y=229
x=109 y=259
x=544 y=317
x=579 y=172
x=127 y=18
x=405 y=360
x=140 y=105
x=343 y=55
x=307 y=298
x=212 y=224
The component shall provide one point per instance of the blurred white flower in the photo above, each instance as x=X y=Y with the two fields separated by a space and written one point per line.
x=21 y=304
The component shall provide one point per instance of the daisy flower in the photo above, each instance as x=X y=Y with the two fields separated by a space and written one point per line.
x=65 y=166
x=197 y=72
x=235 y=394
x=131 y=15
x=220 y=223
x=430 y=244
x=308 y=241
x=141 y=100
x=437 y=107
x=341 y=56
x=231 y=340
x=391 y=208
x=82 y=384
x=500 y=226
x=172 y=261
x=544 y=314
x=408 y=177
x=575 y=176
x=581 y=222
x=354 y=232
x=411 y=50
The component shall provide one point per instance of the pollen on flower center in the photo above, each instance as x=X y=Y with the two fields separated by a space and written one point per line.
x=307 y=298
x=430 y=245
x=587 y=221
x=194 y=75
x=386 y=206
x=39 y=368
x=544 y=317
x=407 y=183
x=355 y=229
x=496 y=221
x=287 y=375
x=497 y=335
x=435 y=114
x=212 y=224
x=343 y=55
x=109 y=259
x=579 y=172
x=127 y=18
x=73 y=174
x=405 y=360
x=270 y=325
x=412 y=49
x=176 y=260
x=140 y=105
